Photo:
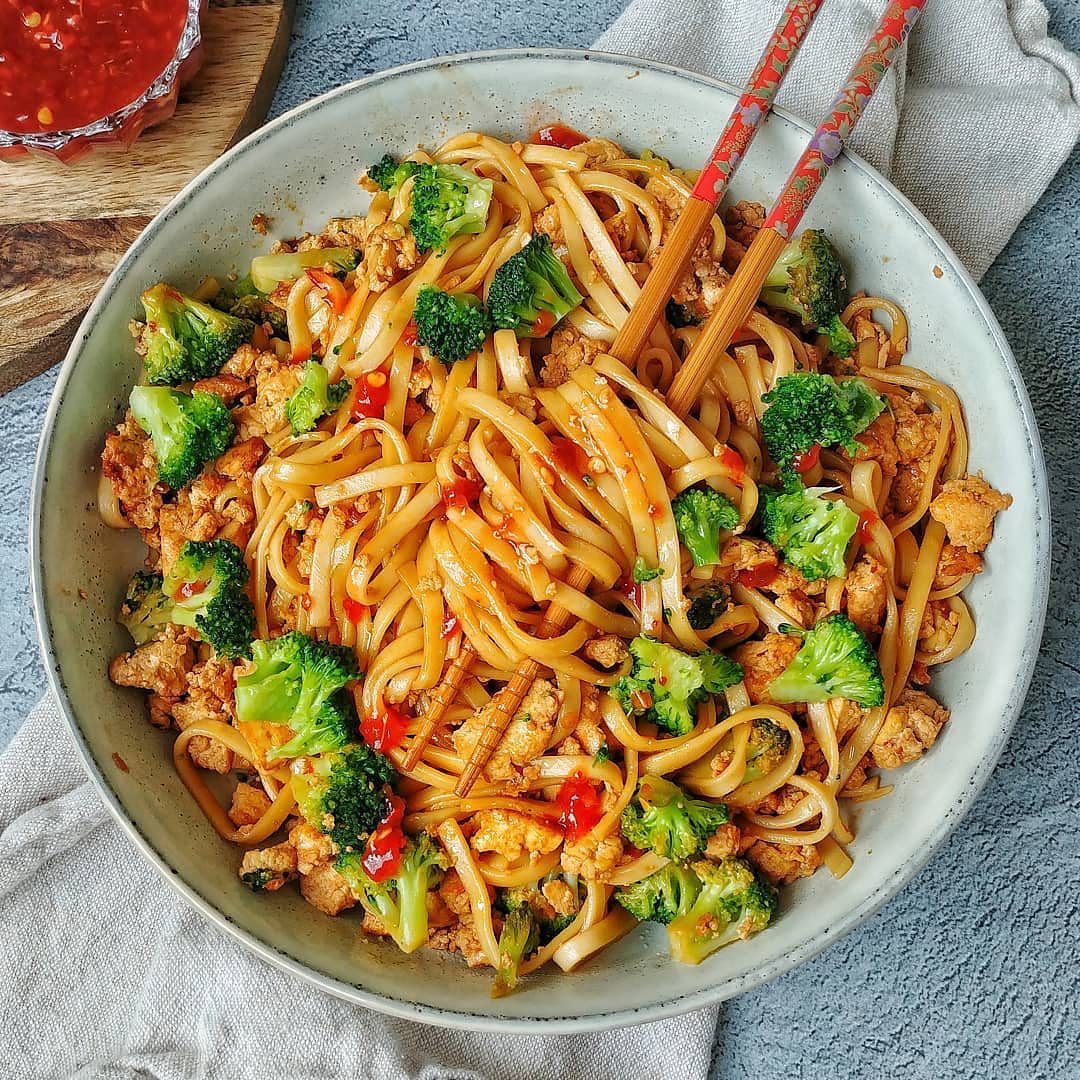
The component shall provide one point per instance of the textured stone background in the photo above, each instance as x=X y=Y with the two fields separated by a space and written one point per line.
x=971 y=971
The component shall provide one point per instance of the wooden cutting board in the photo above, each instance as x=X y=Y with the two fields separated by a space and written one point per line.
x=64 y=227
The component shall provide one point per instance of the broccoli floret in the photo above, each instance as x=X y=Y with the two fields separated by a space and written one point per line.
x=400 y=902
x=259 y=310
x=806 y=409
x=344 y=794
x=518 y=939
x=707 y=605
x=529 y=898
x=451 y=325
x=661 y=817
x=664 y=895
x=314 y=398
x=812 y=532
x=641 y=571
x=293 y=678
x=733 y=903
x=666 y=685
x=808 y=280
x=835 y=660
x=701 y=515
x=528 y=284
x=330 y=729
x=389 y=173
x=186 y=339
x=447 y=201
x=765 y=749
x=146 y=608
x=268 y=270
x=187 y=430
x=206 y=587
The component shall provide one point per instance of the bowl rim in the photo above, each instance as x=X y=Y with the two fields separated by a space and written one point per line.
x=735 y=984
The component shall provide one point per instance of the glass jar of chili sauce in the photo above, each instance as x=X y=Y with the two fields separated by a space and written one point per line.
x=75 y=74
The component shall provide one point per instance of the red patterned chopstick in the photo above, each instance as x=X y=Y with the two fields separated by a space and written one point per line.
x=824 y=148
x=756 y=100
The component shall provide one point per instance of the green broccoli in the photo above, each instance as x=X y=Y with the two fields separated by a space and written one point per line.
x=389 y=174
x=661 y=817
x=314 y=398
x=765 y=749
x=701 y=515
x=451 y=325
x=520 y=936
x=293 y=678
x=808 y=280
x=187 y=430
x=733 y=903
x=242 y=299
x=812 y=532
x=707 y=604
x=664 y=895
x=186 y=339
x=146 y=608
x=329 y=729
x=666 y=685
x=206 y=587
x=344 y=794
x=400 y=902
x=447 y=201
x=641 y=571
x=835 y=661
x=806 y=409
x=268 y=270
x=528 y=285
x=530 y=899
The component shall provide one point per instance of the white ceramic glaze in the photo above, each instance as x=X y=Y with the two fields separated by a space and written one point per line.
x=301 y=169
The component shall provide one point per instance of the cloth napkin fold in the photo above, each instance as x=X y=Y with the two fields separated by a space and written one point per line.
x=972 y=124
x=104 y=972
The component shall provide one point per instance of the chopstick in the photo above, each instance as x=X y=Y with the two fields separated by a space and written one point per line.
x=744 y=123
x=742 y=291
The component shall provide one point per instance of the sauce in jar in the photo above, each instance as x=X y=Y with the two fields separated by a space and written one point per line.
x=66 y=63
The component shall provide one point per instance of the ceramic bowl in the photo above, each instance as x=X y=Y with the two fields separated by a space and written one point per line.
x=302 y=168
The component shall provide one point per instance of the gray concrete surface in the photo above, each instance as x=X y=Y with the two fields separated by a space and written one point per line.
x=971 y=970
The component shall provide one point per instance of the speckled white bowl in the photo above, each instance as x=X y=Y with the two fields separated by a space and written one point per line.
x=301 y=169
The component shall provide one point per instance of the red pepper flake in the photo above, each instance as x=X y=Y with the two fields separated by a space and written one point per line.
x=759 y=577
x=803 y=463
x=865 y=532
x=630 y=589
x=641 y=700
x=384 y=730
x=558 y=135
x=334 y=292
x=460 y=493
x=371 y=394
x=580 y=806
x=410 y=335
x=382 y=853
x=119 y=762
x=354 y=610
x=188 y=589
x=733 y=462
x=543 y=325
x=450 y=625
